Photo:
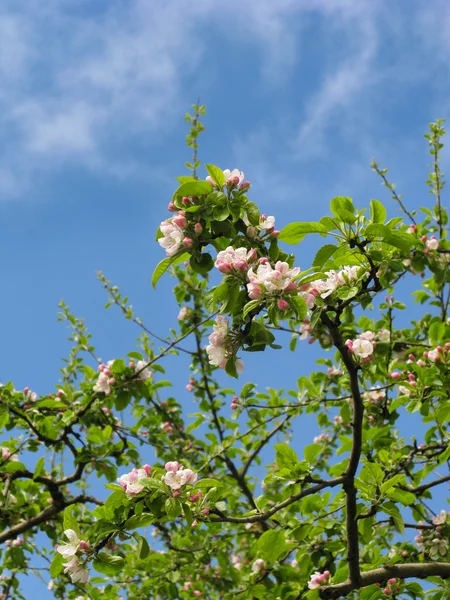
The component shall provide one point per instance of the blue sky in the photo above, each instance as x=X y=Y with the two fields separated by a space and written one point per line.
x=301 y=94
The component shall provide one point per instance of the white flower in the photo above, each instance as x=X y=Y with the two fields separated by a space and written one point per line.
x=266 y=222
x=103 y=384
x=335 y=279
x=272 y=279
x=176 y=479
x=218 y=349
x=362 y=348
x=231 y=175
x=7 y=455
x=367 y=335
x=258 y=565
x=384 y=335
x=146 y=373
x=438 y=546
x=78 y=573
x=432 y=243
x=318 y=579
x=172 y=237
x=70 y=548
x=404 y=391
x=440 y=519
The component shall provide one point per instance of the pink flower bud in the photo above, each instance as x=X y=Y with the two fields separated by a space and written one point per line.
x=171 y=207
x=392 y=581
x=60 y=393
x=84 y=546
x=189 y=387
x=349 y=344
x=252 y=255
x=224 y=267
x=147 y=469
x=240 y=265
x=180 y=221
x=386 y=591
x=187 y=242
x=172 y=466
x=263 y=260
x=245 y=185
x=394 y=375
x=176 y=493
x=274 y=233
x=194 y=523
x=185 y=200
x=283 y=304
x=26 y=390
x=198 y=228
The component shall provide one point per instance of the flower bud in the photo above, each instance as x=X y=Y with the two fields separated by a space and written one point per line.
x=198 y=228
x=251 y=232
x=187 y=242
x=171 y=207
x=283 y=304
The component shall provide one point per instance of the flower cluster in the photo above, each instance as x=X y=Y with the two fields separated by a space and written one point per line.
x=235 y=259
x=177 y=475
x=73 y=566
x=393 y=587
x=105 y=379
x=318 y=579
x=131 y=482
x=232 y=178
x=172 y=237
x=219 y=349
x=334 y=280
x=432 y=540
x=268 y=280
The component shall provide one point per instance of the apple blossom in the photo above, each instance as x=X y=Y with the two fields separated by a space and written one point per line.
x=258 y=565
x=441 y=518
x=180 y=220
x=318 y=579
x=130 y=482
x=176 y=479
x=7 y=455
x=71 y=547
x=219 y=350
x=384 y=335
x=268 y=280
x=359 y=347
x=142 y=369
x=234 y=259
x=78 y=573
x=432 y=243
x=172 y=237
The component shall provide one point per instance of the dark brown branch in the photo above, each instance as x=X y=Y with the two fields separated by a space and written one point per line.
x=45 y=515
x=412 y=570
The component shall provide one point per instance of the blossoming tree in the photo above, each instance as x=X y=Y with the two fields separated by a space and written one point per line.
x=357 y=515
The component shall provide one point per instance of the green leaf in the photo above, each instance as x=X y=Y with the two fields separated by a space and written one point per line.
x=143 y=548
x=162 y=266
x=377 y=212
x=270 y=545
x=295 y=232
x=250 y=306
x=194 y=188
x=173 y=508
x=436 y=332
x=216 y=174
x=311 y=452
x=299 y=306
x=403 y=241
x=39 y=467
x=208 y=483
x=343 y=208
x=323 y=255
x=253 y=213
x=286 y=457
x=108 y=564
x=56 y=565
x=143 y=520
x=203 y=264
x=70 y=522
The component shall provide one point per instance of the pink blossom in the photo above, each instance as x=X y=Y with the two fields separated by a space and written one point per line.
x=7 y=455
x=367 y=335
x=440 y=519
x=219 y=349
x=384 y=335
x=176 y=479
x=305 y=330
x=198 y=228
x=283 y=304
x=173 y=466
x=433 y=355
x=335 y=279
x=172 y=237
x=432 y=243
x=143 y=370
x=234 y=177
x=234 y=259
x=187 y=242
x=271 y=280
x=318 y=579
x=130 y=482
x=180 y=220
